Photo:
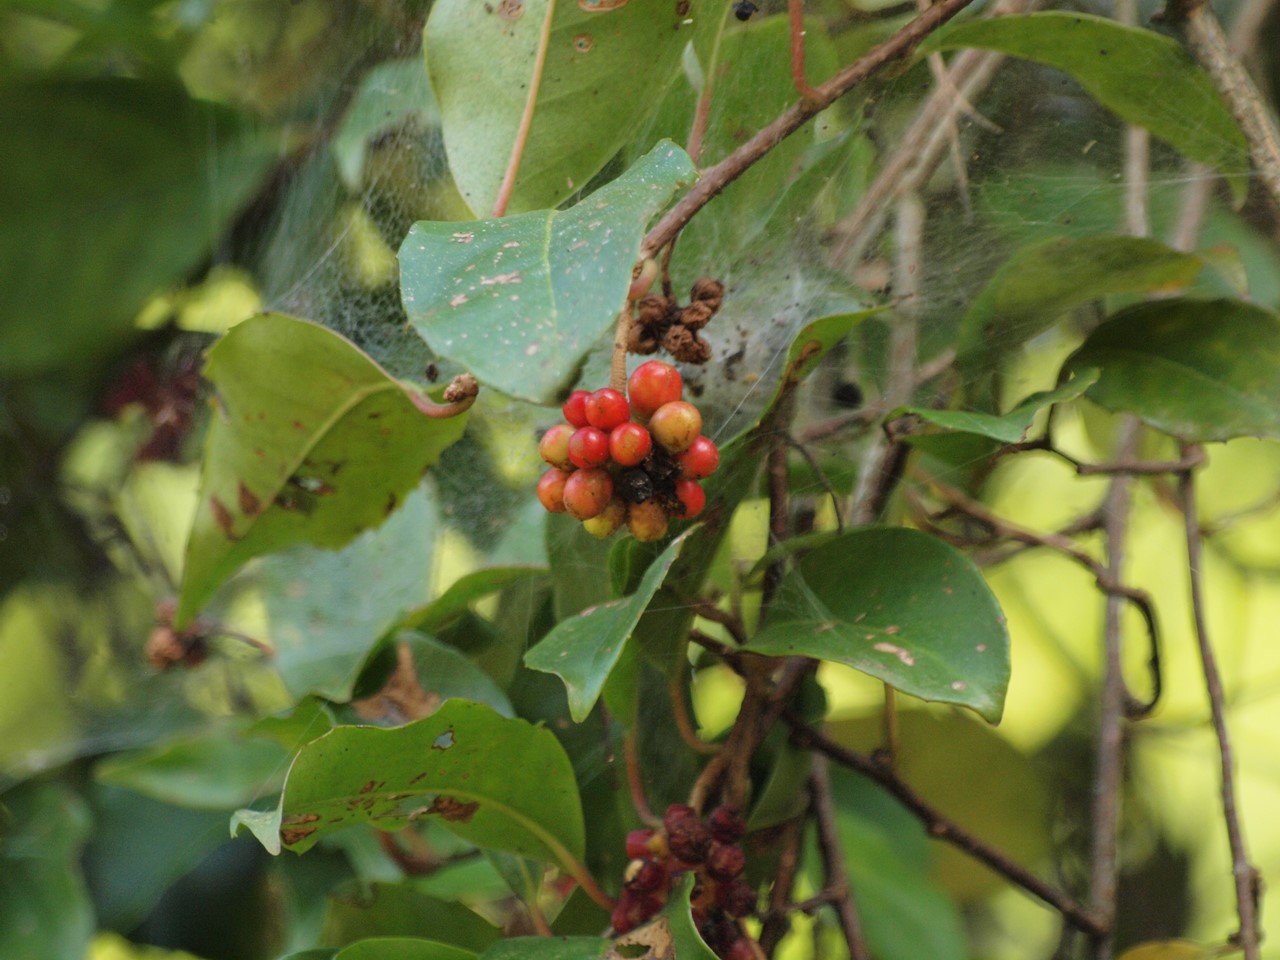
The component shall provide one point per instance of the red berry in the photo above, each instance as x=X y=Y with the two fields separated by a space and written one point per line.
x=676 y=425
x=700 y=460
x=740 y=949
x=676 y=813
x=726 y=824
x=575 y=409
x=629 y=443
x=634 y=909
x=554 y=446
x=638 y=843
x=691 y=496
x=551 y=489
x=589 y=447
x=652 y=384
x=608 y=520
x=647 y=521
x=688 y=838
x=606 y=408
x=587 y=493
x=725 y=860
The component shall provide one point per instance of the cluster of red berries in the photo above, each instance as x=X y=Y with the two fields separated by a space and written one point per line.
x=710 y=850
x=607 y=470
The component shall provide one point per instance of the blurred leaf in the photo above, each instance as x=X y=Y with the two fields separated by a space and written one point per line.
x=104 y=201
x=358 y=912
x=501 y=784
x=1169 y=950
x=44 y=911
x=582 y=650
x=1041 y=282
x=603 y=71
x=785 y=794
x=1010 y=427
x=678 y=914
x=311 y=442
x=218 y=770
x=402 y=948
x=1100 y=54
x=390 y=94
x=1200 y=370
x=465 y=591
x=326 y=608
x=519 y=301
x=580 y=575
x=548 y=948
x=446 y=673
x=1008 y=806
x=810 y=345
x=918 y=616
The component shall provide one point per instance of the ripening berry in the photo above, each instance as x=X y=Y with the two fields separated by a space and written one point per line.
x=688 y=838
x=589 y=447
x=691 y=496
x=725 y=861
x=554 y=446
x=653 y=384
x=726 y=824
x=676 y=425
x=647 y=521
x=700 y=460
x=551 y=489
x=740 y=949
x=587 y=493
x=608 y=520
x=634 y=909
x=629 y=443
x=606 y=408
x=575 y=408
x=638 y=843
x=645 y=876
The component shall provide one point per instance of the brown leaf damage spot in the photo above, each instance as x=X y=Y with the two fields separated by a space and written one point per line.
x=907 y=659
x=453 y=810
x=583 y=42
x=222 y=517
x=292 y=831
x=250 y=505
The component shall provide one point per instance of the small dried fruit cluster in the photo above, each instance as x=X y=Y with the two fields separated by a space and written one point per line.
x=661 y=322
x=712 y=853
x=607 y=470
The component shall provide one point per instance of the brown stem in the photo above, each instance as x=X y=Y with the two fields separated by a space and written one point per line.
x=1213 y=50
x=795 y=10
x=709 y=611
x=684 y=720
x=635 y=782
x=733 y=166
x=618 y=361
x=837 y=877
x=459 y=395
x=940 y=827
x=777 y=918
x=1248 y=881
x=526 y=118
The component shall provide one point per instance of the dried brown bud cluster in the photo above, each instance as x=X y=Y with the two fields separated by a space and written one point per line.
x=661 y=322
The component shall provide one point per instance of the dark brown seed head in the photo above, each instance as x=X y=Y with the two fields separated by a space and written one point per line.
x=725 y=861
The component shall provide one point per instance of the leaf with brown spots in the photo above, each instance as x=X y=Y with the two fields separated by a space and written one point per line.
x=292 y=432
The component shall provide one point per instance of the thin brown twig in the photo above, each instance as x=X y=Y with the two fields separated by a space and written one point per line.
x=635 y=782
x=538 y=918
x=941 y=828
x=716 y=178
x=526 y=118
x=1212 y=48
x=795 y=11
x=837 y=877
x=1248 y=881
x=777 y=918
x=709 y=611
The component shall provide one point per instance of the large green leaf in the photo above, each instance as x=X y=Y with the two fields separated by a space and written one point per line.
x=901 y=606
x=358 y=912
x=603 y=71
x=548 y=948
x=44 y=912
x=105 y=199
x=1176 y=100
x=1041 y=282
x=520 y=301
x=1198 y=369
x=499 y=783
x=583 y=649
x=312 y=442
x=390 y=95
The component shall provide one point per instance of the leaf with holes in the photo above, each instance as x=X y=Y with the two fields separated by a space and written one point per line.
x=500 y=784
x=1188 y=114
x=1200 y=370
x=583 y=649
x=311 y=442
x=521 y=300
x=901 y=606
x=482 y=59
